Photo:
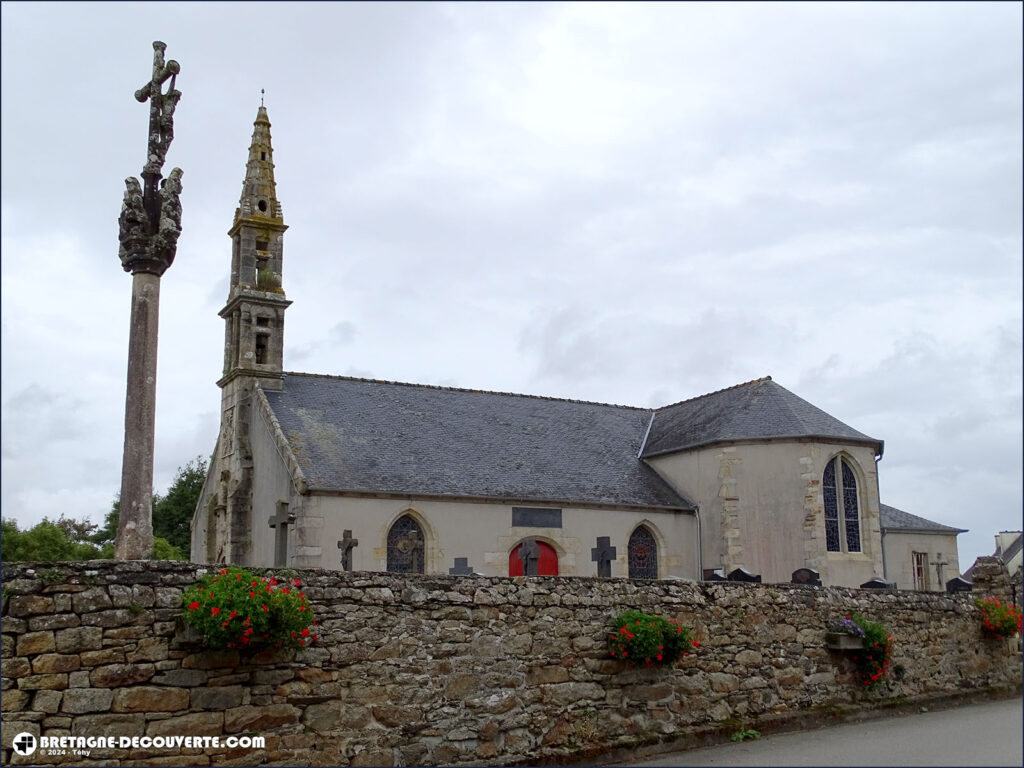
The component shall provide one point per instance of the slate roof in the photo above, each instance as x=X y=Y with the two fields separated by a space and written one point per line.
x=758 y=409
x=360 y=435
x=897 y=519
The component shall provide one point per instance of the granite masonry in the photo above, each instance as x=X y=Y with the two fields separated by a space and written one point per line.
x=457 y=670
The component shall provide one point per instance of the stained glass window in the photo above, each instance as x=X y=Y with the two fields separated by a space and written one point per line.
x=828 y=485
x=850 y=510
x=840 y=493
x=405 y=546
x=643 y=555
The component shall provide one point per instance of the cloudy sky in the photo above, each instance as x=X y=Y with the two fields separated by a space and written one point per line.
x=625 y=203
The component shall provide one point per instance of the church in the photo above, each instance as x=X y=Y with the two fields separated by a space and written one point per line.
x=317 y=471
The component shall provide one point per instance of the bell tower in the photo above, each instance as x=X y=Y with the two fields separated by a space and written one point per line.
x=253 y=342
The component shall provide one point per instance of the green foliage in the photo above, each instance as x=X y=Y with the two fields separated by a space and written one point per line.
x=745 y=733
x=999 y=619
x=644 y=639
x=48 y=541
x=872 y=662
x=52 y=575
x=235 y=609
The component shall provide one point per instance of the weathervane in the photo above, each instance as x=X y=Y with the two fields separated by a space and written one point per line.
x=149 y=226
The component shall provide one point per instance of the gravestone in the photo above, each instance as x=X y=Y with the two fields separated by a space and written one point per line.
x=877 y=583
x=711 y=575
x=462 y=567
x=742 y=574
x=958 y=584
x=807 y=576
x=346 y=545
x=603 y=554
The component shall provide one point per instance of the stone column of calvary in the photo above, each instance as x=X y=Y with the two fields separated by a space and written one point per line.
x=150 y=223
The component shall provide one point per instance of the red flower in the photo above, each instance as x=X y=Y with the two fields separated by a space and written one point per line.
x=215 y=610
x=252 y=594
x=302 y=642
x=659 y=657
x=695 y=644
x=232 y=614
x=286 y=590
x=265 y=609
x=224 y=572
x=294 y=635
x=305 y=631
x=193 y=606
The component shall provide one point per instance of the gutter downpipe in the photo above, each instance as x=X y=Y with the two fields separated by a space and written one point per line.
x=878 y=491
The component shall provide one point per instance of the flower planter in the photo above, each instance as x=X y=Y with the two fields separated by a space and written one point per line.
x=841 y=642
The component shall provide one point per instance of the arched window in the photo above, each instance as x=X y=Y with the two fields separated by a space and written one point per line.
x=537 y=557
x=643 y=554
x=841 y=506
x=405 y=546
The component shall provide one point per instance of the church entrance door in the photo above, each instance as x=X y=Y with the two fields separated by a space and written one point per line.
x=547 y=560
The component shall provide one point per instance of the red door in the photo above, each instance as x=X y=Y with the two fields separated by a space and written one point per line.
x=547 y=563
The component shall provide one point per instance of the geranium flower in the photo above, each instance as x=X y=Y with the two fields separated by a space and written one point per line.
x=193 y=606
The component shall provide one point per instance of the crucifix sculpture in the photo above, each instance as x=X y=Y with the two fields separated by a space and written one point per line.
x=939 y=564
x=346 y=545
x=149 y=226
x=529 y=553
x=280 y=522
x=603 y=554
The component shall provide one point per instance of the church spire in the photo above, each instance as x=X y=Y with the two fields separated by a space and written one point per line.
x=259 y=190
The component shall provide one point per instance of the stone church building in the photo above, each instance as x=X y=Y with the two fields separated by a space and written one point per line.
x=330 y=471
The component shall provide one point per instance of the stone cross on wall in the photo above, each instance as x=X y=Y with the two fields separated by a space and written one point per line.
x=346 y=545
x=412 y=544
x=281 y=521
x=939 y=564
x=529 y=553
x=603 y=554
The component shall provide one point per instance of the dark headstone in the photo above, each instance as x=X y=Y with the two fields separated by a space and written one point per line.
x=536 y=517
x=807 y=576
x=877 y=583
x=603 y=554
x=958 y=584
x=462 y=567
x=742 y=574
x=711 y=575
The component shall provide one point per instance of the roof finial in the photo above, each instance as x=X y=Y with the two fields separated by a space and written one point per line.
x=261 y=97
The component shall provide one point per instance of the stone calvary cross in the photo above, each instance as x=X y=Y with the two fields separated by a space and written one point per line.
x=280 y=522
x=603 y=554
x=149 y=226
x=346 y=545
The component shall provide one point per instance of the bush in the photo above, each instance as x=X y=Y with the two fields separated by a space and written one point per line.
x=999 y=619
x=644 y=639
x=235 y=609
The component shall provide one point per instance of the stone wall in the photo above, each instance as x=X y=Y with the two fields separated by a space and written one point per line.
x=434 y=670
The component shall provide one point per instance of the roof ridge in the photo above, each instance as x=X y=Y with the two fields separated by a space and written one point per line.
x=716 y=392
x=443 y=388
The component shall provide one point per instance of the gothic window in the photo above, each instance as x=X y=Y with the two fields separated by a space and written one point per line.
x=405 y=546
x=643 y=555
x=842 y=510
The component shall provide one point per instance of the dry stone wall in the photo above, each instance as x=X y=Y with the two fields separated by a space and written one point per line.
x=435 y=670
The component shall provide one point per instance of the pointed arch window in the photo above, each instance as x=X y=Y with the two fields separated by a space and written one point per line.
x=405 y=546
x=842 y=507
x=643 y=554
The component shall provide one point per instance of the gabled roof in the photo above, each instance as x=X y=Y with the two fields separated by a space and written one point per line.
x=756 y=410
x=367 y=436
x=893 y=519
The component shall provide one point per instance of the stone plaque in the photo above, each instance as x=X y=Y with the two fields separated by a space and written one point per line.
x=536 y=517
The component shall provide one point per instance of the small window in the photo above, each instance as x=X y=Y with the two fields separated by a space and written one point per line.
x=920 y=570
x=261 y=245
x=263 y=205
x=262 y=322
x=261 y=349
x=263 y=155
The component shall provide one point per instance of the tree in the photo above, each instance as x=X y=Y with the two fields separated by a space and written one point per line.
x=49 y=541
x=172 y=515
